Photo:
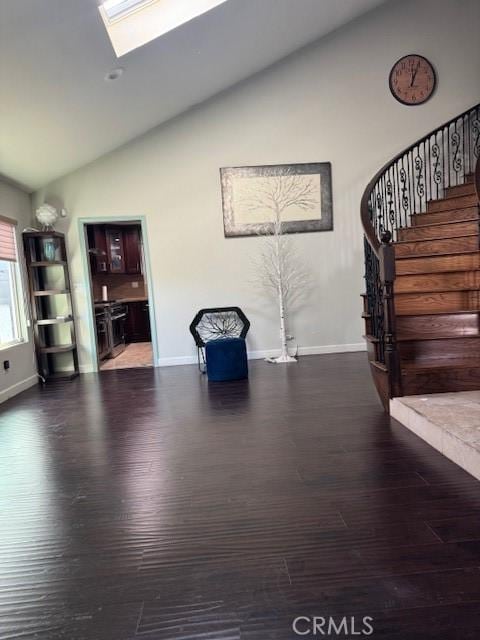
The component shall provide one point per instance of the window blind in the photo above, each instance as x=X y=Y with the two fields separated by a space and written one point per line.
x=8 y=246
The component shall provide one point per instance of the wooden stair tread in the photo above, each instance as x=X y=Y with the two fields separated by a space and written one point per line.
x=452 y=203
x=447 y=197
x=418 y=337
x=467 y=235
x=437 y=247
x=436 y=282
x=428 y=326
x=451 y=349
x=426 y=214
x=472 y=362
x=429 y=312
x=438 y=255
x=441 y=224
x=452 y=197
x=464 y=261
x=419 y=219
x=467 y=188
x=413 y=302
x=435 y=291
x=442 y=230
x=431 y=273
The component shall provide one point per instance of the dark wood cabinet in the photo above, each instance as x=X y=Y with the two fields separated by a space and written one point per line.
x=137 y=327
x=132 y=250
x=100 y=259
x=115 y=249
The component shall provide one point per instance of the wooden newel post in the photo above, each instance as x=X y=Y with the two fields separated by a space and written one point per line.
x=387 y=276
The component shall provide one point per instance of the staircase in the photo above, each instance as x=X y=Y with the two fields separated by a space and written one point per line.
x=422 y=303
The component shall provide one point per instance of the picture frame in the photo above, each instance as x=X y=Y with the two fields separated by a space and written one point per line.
x=298 y=195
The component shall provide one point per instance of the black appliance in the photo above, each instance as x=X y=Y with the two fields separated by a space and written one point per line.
x=118 y=317
x=110 y=318
x=103 y=335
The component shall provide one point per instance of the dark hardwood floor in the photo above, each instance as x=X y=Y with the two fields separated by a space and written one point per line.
x=149 y=505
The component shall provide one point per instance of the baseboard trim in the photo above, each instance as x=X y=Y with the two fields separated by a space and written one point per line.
x=270 y=353
x=17 y=388
x=332 y=348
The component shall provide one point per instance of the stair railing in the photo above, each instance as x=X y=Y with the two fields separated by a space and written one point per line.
x=403 y=187
x=477 y=181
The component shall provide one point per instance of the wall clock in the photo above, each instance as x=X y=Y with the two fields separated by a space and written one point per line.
x=412 y=79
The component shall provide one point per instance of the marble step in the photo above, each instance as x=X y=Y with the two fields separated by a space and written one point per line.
x=449 y=422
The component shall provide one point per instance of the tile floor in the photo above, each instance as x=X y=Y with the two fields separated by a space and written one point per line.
x=137 y=354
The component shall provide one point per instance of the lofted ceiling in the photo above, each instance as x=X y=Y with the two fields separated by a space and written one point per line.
x=58 y=113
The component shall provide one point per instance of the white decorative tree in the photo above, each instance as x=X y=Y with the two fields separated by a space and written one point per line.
x=280 y=270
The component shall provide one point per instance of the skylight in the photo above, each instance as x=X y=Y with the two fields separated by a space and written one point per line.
x=117 y=8
x=133 y=23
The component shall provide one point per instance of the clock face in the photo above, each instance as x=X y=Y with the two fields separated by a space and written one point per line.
x=412 y=79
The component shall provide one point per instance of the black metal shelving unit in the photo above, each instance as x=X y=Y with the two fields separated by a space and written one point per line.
x=51 y=303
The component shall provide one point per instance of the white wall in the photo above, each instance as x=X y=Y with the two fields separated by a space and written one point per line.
x=15 y=204
x=329 y=102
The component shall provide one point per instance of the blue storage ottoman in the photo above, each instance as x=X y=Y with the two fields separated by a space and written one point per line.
x=226 y=359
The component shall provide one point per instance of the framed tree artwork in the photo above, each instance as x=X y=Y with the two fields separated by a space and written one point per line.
x=299 y=196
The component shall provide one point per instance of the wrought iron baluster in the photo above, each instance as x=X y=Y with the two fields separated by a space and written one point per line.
x=428 y=162
x=420 y=184
x=467 y=169
x=396 y=190
x=476 y=137
x=404 y=190
x=411 y=181
x=456 y=157
x=391 y=210
x=379 y=205
x=382 y=200
x=390 y=222
x=436 y=170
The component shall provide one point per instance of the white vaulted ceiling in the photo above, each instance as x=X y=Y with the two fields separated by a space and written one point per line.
x=58 y=113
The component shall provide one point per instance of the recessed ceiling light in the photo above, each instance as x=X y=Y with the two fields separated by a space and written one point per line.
x=114 y=74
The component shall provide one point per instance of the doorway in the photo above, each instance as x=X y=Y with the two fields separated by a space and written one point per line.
x=122 y=319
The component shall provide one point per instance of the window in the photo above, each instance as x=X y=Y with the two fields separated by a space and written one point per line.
x=11 y=321
x=133 y=23
x=117 y=8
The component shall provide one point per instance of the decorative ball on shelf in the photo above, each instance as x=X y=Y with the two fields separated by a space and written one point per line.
x=47 y=216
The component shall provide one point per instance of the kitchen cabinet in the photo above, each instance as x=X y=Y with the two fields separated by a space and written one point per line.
x=132 y=250
x=115 y=250
x=97 y=244
x=137 y=327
